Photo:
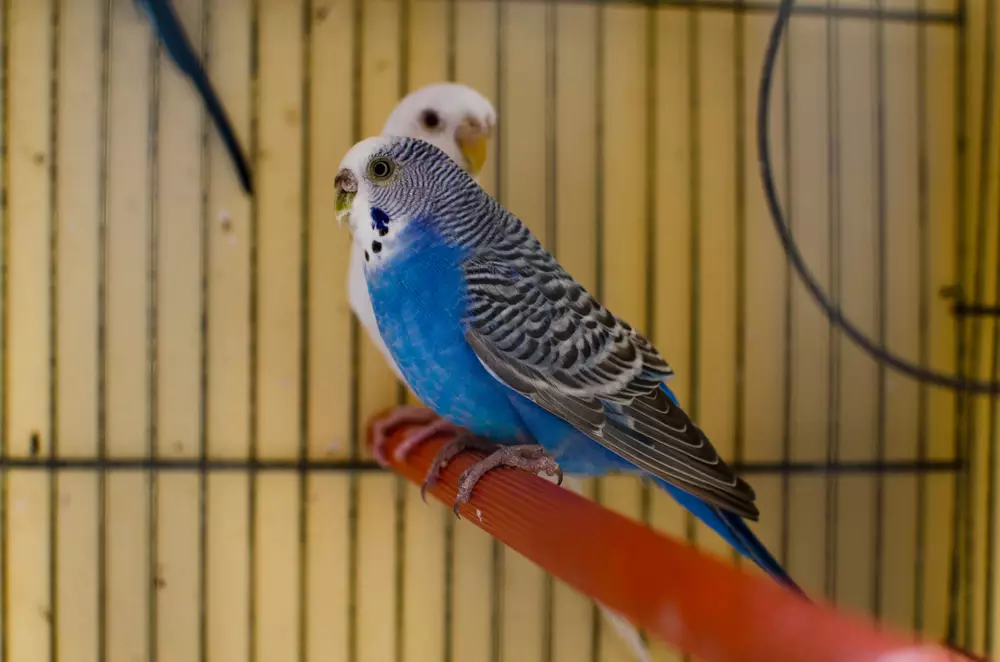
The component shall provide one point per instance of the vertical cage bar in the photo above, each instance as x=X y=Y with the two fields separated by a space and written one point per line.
x=599 y=131
x=451 y=65
x=986 y=180
x=4 y=329
x=353 y=489
x=740 y=220
x=254 y=322
x=204 y=303
x=152 y=386
x=54 y=72
x=833 y=393
x=551 y=243
x=400 y=483
x=989 y=592
x=551 y=115
x=786 y=442
x=694 y=165
x=985 y=143
x=305 y=326
x=599 y=110
x=965 y=558
x=4 y=334
x=651 y=202
x=102 y=336
x=497 y=552
x=961 y=323
x=451 y=21
x=923 y=397
x=880 y=443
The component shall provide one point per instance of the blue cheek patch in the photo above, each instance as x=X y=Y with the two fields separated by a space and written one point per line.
x=380 y=221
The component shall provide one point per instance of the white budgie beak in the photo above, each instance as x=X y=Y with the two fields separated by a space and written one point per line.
x=472 y=137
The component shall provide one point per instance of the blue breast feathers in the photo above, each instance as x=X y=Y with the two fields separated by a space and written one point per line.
x=419 y=299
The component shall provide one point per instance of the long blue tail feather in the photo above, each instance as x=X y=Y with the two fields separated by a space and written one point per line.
x=735 y=531
x=731 y=527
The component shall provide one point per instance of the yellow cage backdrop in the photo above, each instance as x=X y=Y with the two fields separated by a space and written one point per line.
x=184 y=389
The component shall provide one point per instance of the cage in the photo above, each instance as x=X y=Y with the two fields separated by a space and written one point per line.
x=184 y=388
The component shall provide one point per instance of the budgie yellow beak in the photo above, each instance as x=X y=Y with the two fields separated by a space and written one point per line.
x=473 y=139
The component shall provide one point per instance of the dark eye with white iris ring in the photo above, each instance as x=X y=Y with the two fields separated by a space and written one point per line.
x=380 y=168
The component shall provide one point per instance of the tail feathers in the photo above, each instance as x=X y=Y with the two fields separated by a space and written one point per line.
x=735 y=531
x=225 y=128
x=754 y=549
x=730 y=526
x=171 y=34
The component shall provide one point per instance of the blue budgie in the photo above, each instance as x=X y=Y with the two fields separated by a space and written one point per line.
x=492 y=334
x=171 y=34
x=460 y=121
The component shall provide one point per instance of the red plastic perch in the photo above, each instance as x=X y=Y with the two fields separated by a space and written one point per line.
x=714 y=610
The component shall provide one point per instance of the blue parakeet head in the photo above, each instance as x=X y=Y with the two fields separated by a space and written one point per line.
x=386 y=183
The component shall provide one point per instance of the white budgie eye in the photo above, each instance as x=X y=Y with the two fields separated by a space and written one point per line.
x=430 y=120
x=381 y=169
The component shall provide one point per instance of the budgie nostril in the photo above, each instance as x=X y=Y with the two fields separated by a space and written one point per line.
x=345 y=182
x=471 y=128
x=347 y=187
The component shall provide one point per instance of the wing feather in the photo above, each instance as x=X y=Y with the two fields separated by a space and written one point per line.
x=541 y=333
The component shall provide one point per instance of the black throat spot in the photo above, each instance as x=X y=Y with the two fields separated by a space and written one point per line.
x=380 y=221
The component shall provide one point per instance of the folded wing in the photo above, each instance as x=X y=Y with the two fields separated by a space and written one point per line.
x=538 y=331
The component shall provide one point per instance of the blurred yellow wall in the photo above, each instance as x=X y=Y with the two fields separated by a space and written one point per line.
x=151 y=308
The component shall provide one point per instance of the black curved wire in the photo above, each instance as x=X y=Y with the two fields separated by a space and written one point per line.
x=832 y=310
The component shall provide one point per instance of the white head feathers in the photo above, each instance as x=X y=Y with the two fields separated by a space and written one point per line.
x=454 y=118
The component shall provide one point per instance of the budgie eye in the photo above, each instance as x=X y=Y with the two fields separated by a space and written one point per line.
x=380 y=168
x=430 y=119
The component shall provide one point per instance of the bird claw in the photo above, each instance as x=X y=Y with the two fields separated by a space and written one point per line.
x=527 y=457
x=464 y=440
x=408 y=415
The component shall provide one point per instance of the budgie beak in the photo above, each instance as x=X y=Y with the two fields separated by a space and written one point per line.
x=347 y=187
x=472 y=137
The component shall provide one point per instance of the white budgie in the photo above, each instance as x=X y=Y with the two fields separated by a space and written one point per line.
x=459 y=121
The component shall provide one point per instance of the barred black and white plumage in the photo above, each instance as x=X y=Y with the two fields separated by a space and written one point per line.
x=545 y=336
x=540 y=332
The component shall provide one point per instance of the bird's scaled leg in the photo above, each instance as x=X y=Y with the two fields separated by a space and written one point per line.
x=528 y=457
x=408 y=415
x=464 y=440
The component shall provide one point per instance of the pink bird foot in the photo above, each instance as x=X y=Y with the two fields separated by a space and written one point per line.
x=464 y=440
x=414 y=439
x=408 y=415
x=528 y=457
